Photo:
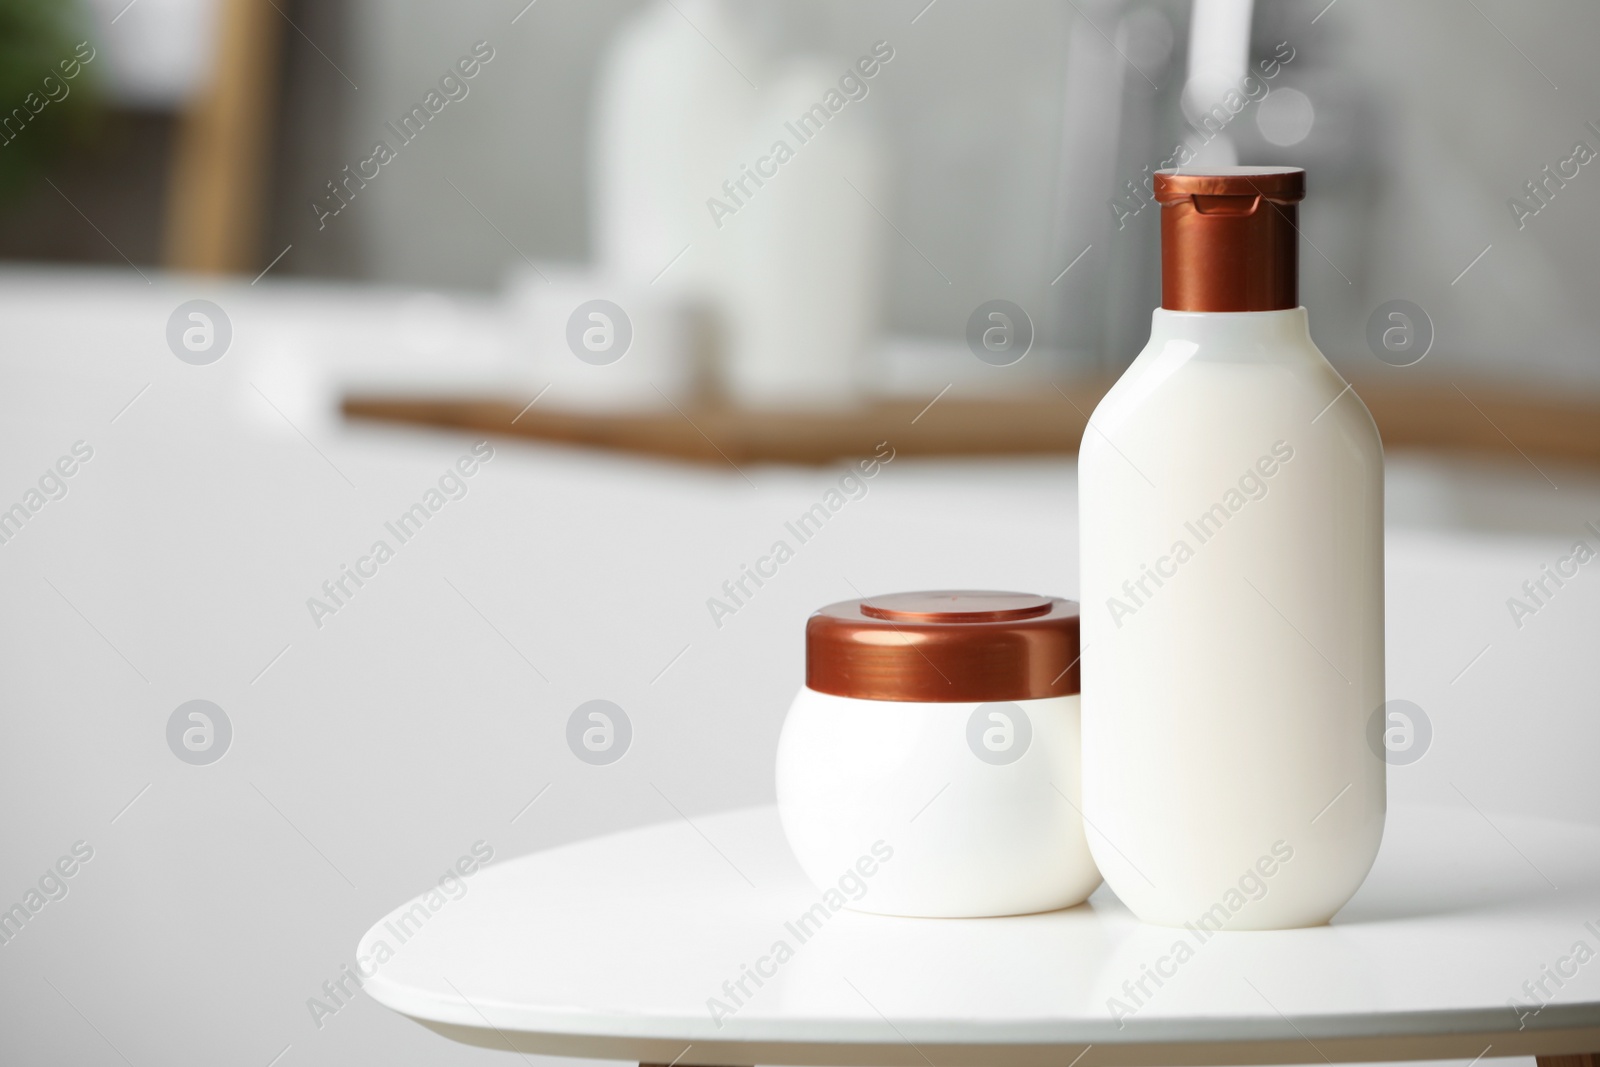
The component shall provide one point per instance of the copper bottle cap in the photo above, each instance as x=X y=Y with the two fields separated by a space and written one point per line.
x=1229 y=238
x=944 y=646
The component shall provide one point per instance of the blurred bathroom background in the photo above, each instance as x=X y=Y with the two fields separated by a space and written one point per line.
x=542 y=155
x=1002 y=153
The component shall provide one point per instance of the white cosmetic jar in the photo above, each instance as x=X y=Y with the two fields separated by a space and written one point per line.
x=930 y=766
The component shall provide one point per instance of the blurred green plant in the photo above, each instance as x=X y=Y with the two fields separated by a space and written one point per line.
x=47 y=97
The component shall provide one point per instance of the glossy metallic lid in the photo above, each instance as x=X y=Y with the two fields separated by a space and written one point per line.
x=944 y=646
x=1229 y=238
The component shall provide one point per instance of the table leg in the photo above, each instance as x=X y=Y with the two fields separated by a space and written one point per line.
x=1581 y=1059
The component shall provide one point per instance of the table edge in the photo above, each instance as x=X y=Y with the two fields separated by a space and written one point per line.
x=1466 y=1033
x=1178 y=1047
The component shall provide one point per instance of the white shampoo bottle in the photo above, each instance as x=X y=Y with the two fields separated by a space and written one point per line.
x=1231 y=502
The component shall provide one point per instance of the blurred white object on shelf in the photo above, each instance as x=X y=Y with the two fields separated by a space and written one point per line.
x=159 y=53
x=777 y=252
x=602 y=342
x=667 y=113
x=1219 y=59
x=806 y=257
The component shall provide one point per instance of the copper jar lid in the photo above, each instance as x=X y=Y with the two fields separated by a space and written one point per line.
x=1230 y=238
x=944 y=646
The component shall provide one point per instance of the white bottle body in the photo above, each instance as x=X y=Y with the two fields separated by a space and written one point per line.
x=1231 y=501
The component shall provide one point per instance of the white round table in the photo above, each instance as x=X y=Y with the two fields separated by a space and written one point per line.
x=1464 y=943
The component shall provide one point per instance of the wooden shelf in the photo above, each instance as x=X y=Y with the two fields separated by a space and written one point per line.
x=1471 y=417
